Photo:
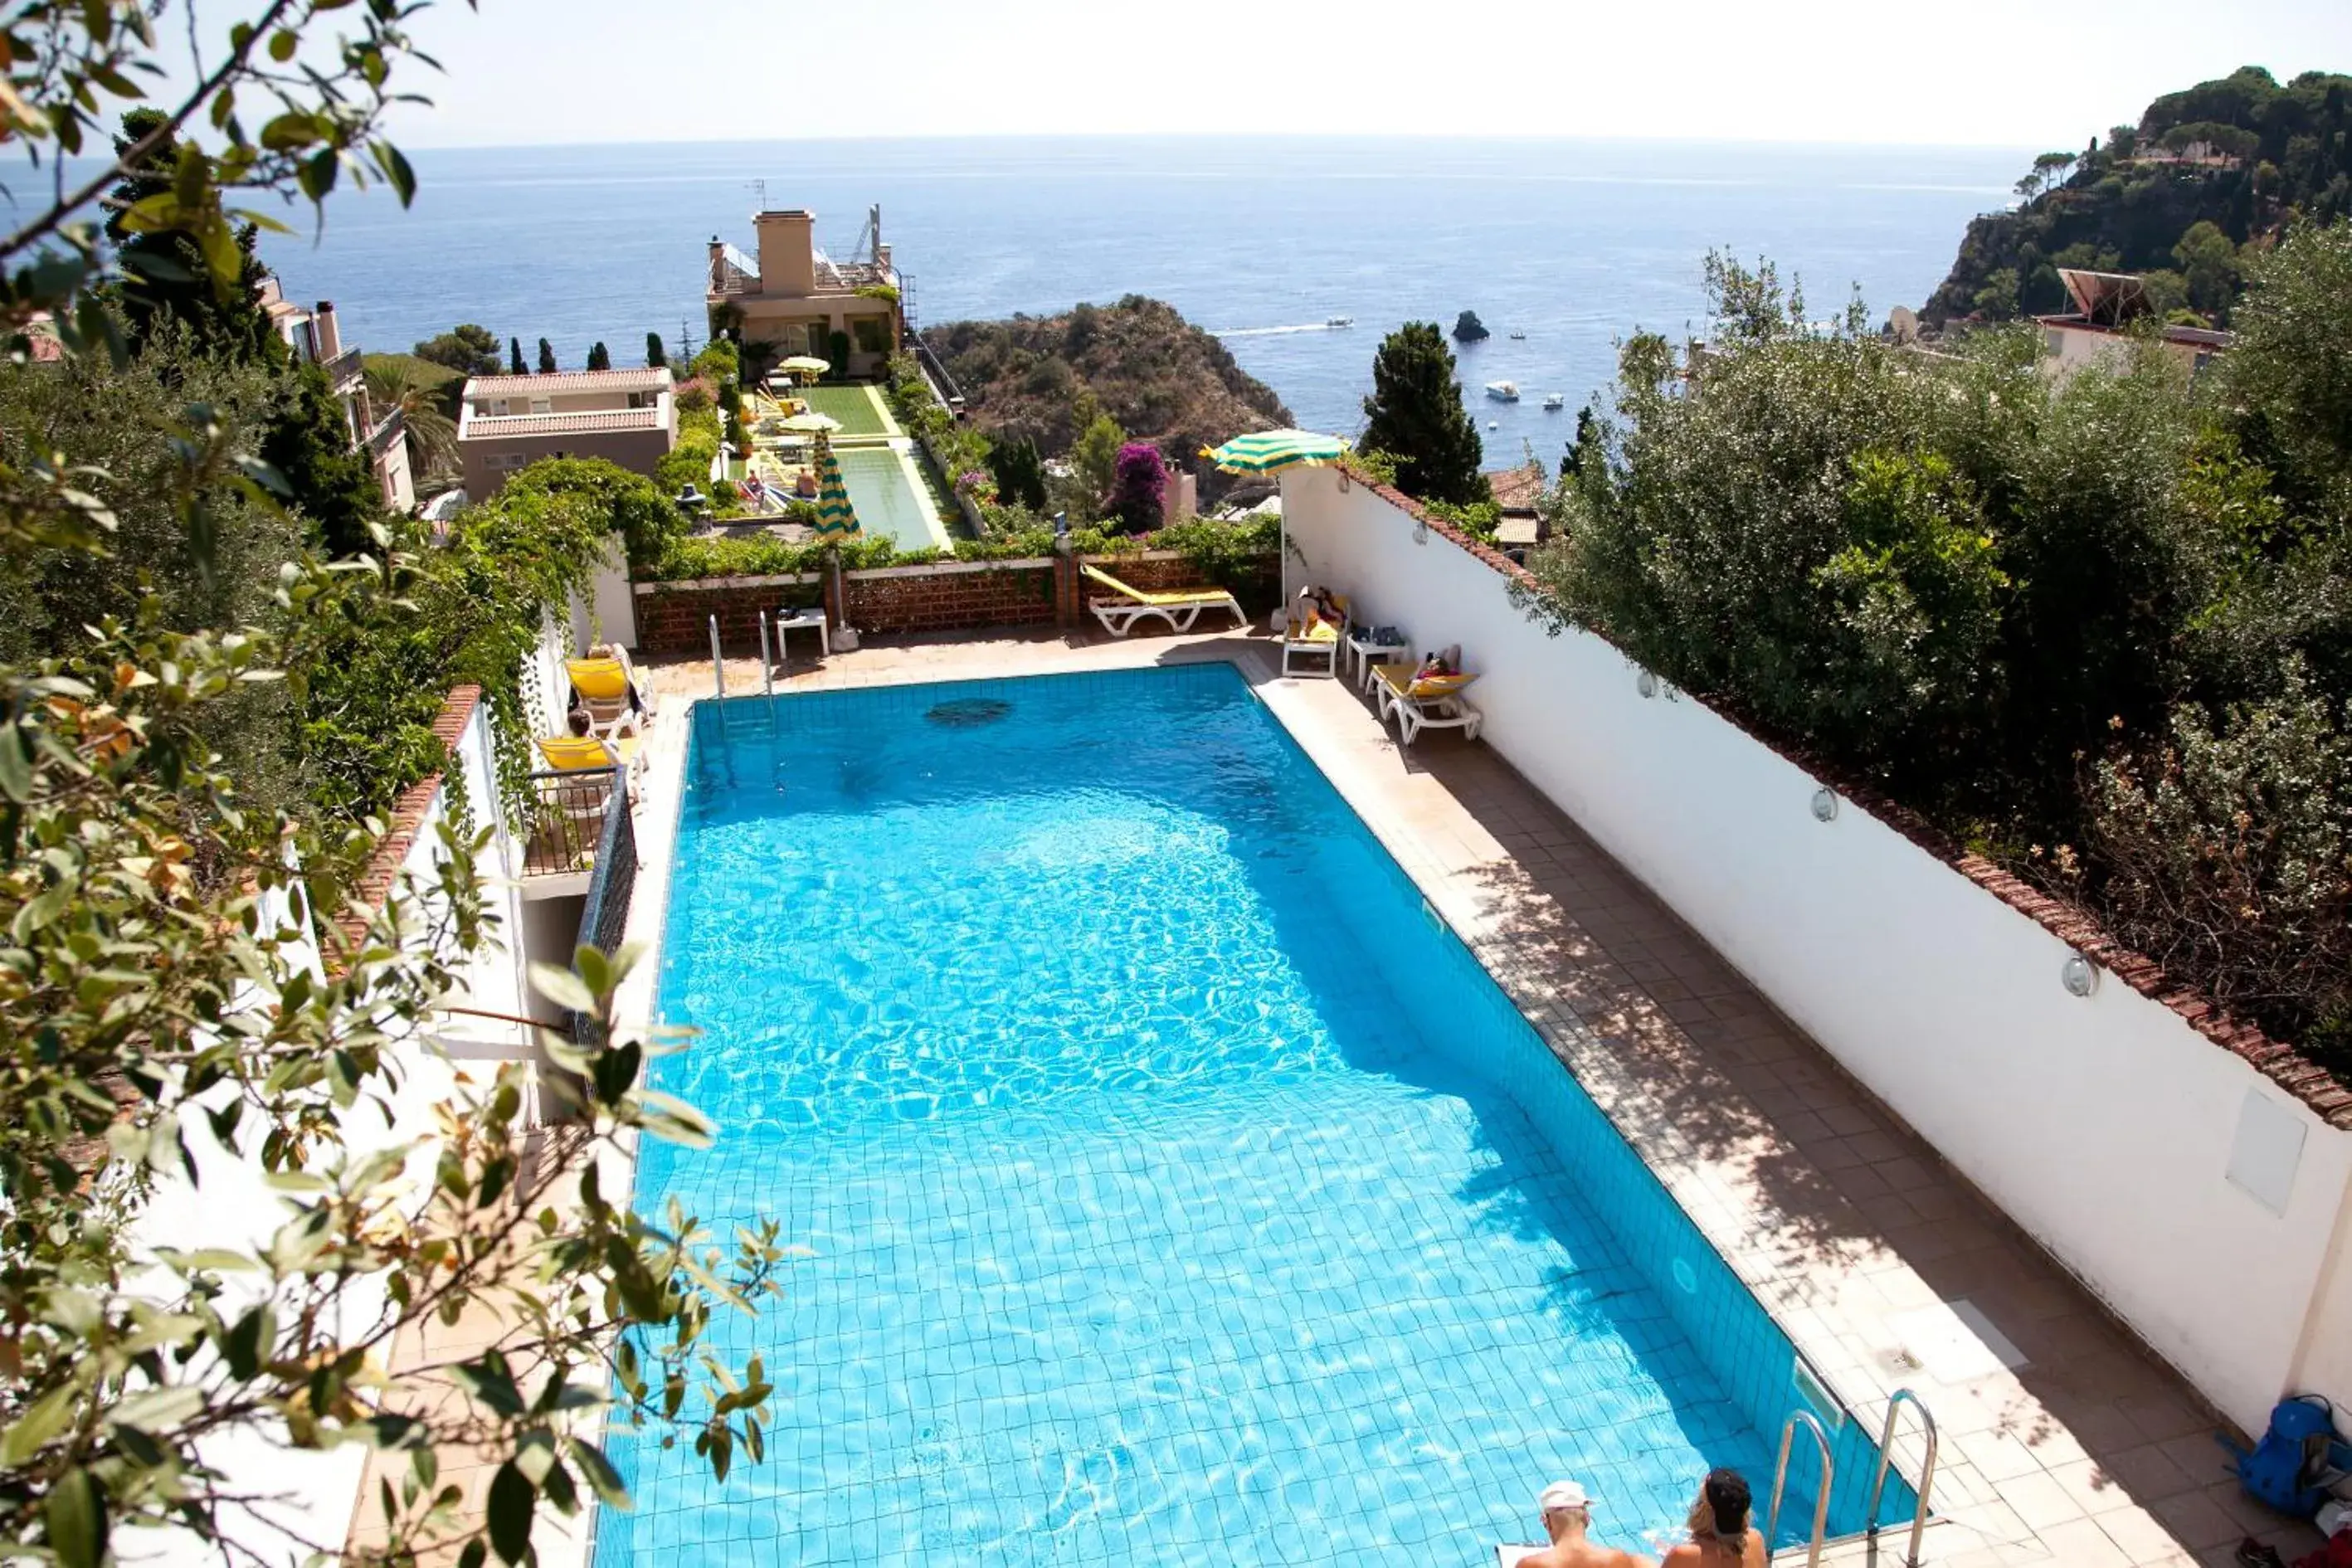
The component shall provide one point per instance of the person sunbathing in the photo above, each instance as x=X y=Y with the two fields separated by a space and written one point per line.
x=1567 y=1517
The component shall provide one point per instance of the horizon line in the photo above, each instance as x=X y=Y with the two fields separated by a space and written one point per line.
x=854 y=139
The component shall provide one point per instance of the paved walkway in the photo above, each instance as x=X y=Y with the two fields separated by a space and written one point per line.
x=2064 y=1441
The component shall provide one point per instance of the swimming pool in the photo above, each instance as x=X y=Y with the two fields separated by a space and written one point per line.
x=1174 y=1186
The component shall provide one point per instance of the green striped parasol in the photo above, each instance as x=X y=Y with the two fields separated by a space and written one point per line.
x=1271 y=451
x=836 y=518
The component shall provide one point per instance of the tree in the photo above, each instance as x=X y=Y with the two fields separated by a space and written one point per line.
x=176 y=945
x=1416 y=413
x=1139 y=487
x=309 y=444
x=2209 y=267
x=546 y=358
x=432 y=435
x=1093 y=456
x=1020 y=472
x=166 y=274
x=468 y=348
x=514 y=357
x=655 y=358
x=599 y=356
x=2291 y=370
x=1997 y=300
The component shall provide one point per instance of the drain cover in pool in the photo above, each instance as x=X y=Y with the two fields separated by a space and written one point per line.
x=969 y=713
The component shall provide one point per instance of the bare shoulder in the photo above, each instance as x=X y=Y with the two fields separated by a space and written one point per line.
x=1630 y=1559
x=1683 y=1556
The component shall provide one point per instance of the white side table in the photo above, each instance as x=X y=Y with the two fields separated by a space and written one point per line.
x=811 y=620
x=1369 y=653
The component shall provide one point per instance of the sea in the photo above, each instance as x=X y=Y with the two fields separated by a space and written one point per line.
x=1574 y=244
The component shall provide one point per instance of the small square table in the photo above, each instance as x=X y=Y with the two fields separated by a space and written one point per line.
x=1369 y=653
x=808 y=620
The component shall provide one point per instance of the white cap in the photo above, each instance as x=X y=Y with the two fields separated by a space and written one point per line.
x=1561 y=1496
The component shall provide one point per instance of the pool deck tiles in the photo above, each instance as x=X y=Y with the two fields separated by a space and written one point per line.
x=1846 y=1224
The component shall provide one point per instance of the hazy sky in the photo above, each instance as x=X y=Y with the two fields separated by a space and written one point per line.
x=2001 y=72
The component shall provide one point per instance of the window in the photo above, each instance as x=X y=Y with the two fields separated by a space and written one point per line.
x=638 y=399
x=542 y=406
x=495 y=407
x=2055 y=340
x=872 y=334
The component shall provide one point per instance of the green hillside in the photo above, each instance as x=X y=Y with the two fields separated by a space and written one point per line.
x=2204 y=173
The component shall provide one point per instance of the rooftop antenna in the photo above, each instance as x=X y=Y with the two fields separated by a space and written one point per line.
x=760 y=188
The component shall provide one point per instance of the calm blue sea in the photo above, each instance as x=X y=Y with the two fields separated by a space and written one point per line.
x=1574 y=243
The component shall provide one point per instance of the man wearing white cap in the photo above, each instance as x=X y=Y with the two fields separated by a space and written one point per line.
x=1566 y=1516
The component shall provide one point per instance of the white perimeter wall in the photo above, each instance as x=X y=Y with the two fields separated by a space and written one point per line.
x=2104 y=1126
x=315 y=1493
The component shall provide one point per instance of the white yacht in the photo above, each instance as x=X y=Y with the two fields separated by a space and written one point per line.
x=1503 y=391
x=1338 y=322
x=1554 y=402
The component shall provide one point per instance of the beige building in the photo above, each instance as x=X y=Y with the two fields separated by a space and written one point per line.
x=793 y=297
x=2108 y=307
x=316 y=335
x=509 y=422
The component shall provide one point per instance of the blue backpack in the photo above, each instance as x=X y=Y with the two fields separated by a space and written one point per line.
x=2288 y=1469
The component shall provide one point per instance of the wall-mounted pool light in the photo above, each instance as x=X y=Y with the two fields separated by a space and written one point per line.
x=1686 y=1277
x=1825 y=804
x=1646 y=684
x=2079 y=975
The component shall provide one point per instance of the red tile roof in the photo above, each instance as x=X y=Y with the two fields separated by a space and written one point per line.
x=1517 y=488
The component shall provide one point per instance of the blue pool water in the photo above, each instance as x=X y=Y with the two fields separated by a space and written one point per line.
x=1173 y=1189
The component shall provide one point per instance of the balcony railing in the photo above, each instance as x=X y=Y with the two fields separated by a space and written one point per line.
x=568 y=815
x=388 y=430
x=343 y=369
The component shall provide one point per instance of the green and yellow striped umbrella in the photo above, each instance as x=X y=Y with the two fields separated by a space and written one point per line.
x=836 y=518
x=1271 y=451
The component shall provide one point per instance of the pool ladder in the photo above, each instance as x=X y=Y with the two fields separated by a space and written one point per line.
x=1811 y=1425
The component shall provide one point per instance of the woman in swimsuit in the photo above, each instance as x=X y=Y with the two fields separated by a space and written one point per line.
x=1720 y=1534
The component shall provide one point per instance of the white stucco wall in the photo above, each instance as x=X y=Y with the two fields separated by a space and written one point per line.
x=2104 y=1125
x=231 y=1203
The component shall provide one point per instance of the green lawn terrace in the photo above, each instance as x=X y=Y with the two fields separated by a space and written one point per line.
x=879 y=463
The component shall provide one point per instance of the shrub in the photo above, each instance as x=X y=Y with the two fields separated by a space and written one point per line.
x=837 y=349
x=2226 y=856
x=1139 y=487
x=718 y=363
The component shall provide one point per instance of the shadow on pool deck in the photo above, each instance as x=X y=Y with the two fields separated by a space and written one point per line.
x=1851 y=1175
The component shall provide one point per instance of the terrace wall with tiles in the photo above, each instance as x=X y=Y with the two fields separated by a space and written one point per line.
x=2198 y=1193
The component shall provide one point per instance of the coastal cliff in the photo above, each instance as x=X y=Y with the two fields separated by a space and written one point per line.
x=1163 y=379
x=2205 y=172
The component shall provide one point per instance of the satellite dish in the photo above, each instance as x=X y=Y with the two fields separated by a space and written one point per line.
x=1902 y=324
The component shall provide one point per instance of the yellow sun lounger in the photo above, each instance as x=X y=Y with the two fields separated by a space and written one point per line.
x=1179 y=609
x=1433 y=702
x=584 y=753
x=603 y=684
x=1314 y=639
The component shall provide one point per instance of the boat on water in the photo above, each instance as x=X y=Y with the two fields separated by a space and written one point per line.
x=1337 y=321
x=1554 y=402
x=1503 y=391
x=1518 y=337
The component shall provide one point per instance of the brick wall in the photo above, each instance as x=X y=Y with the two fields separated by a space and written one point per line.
x=1161 y=571
x=961 y=599
x=676 y=616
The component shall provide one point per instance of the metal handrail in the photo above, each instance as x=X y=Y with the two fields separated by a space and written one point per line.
x=767 y=671
x=718 y=671
x=1781 y=1477
x=1887 y=1459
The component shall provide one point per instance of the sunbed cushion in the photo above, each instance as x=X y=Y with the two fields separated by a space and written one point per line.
x=598 y=680
x=574 y=753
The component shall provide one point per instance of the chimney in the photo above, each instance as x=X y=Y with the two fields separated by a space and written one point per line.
x=331 y=337
x=788 y=252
